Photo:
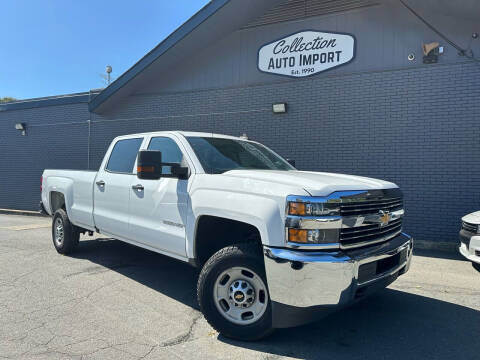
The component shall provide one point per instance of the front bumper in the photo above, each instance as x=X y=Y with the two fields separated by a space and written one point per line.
x=320 y=279
x=470 y=246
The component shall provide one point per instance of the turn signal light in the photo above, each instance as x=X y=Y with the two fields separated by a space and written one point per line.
x=313 y=209
x=295 y=208
x=306 y=236
x=149 y=169
x=297 y=236
x=313 y=236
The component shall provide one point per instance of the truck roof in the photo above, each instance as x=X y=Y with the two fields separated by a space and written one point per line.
x=182 y=133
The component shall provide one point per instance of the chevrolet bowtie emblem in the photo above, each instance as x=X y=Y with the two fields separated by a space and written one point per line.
x=385 y=217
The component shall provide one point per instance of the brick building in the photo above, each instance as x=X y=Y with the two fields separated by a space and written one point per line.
x=385 y=112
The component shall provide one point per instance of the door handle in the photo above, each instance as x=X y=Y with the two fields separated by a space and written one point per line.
x=138 y=187
x=100 y=183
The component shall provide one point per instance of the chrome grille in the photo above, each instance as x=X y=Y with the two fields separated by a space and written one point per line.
x=370 y=234
x=361 y=232
x=472 y=228
x=367 y=207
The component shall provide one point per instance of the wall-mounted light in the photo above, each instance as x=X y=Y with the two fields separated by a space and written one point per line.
x=431 y=52
x=279 y=108
x=22 y=127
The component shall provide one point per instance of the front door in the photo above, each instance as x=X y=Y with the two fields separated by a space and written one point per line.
x=111 y=191
x=158 y=208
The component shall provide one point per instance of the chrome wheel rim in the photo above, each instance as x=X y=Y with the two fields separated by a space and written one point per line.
x=59 y=232
x=240 y=295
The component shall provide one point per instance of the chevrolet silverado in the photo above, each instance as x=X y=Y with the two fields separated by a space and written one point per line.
x=277 y=247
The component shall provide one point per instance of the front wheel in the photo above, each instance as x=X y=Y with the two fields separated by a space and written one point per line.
x=233 y=295
x=65 y=235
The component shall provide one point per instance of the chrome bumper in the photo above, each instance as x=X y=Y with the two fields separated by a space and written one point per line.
x=470 y=246
x=306 y=279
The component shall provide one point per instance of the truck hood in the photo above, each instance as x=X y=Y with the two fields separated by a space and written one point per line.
x=473 y=218
x=315 y=183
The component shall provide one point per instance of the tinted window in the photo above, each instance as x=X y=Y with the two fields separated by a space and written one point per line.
x=123 y=155
x=171 y=153
x=218 y=155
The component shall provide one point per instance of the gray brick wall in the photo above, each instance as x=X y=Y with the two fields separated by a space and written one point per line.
x=416 y=127
x=57 y=137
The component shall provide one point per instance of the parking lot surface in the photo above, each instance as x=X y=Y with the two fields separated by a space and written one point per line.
x=111 y=300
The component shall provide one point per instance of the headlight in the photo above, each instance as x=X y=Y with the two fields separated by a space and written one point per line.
x=312 y=208
x=312 y=221
x=315 y=236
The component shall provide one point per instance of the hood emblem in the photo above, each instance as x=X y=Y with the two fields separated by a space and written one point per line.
x=384 y=217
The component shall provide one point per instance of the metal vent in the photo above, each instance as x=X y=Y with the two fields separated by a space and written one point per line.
x=301 y=9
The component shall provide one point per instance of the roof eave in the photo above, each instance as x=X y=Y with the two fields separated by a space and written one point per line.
x=48 y=101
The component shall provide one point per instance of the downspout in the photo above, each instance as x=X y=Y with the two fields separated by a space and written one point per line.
x=89 y=130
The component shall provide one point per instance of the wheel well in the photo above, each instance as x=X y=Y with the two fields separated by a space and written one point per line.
x=57 y=201
x=214 y=233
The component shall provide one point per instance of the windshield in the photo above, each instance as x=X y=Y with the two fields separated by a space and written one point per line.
x=218 y=155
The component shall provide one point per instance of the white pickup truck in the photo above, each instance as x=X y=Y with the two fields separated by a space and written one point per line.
x=470 y=238
x=276 y=246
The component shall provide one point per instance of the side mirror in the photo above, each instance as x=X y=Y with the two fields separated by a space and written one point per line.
x=291 y=162
x=180 y=172
x=149 y=165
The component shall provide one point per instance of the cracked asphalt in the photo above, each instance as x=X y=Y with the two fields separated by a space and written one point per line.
x=115 y=301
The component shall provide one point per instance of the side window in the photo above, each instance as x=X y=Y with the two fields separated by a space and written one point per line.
x=171 y=153
x=123 y=156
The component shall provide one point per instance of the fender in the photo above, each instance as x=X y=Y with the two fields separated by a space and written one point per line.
x=262 y=212
x=63 y=186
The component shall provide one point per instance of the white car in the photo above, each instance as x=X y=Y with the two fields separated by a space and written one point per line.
x=275 y=245
x=470 y=237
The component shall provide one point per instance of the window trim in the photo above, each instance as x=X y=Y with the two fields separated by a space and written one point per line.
x=133 y=172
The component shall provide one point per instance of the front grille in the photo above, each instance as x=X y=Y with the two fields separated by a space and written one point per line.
x=368 y=207
x=364 y=234
x=472 y=228
x=369 y=234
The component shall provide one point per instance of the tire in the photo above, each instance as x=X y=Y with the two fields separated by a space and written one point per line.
x=223 y=274
x=476 y=266
x=65 y=236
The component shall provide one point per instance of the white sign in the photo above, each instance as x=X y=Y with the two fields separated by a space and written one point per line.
x=306 y=53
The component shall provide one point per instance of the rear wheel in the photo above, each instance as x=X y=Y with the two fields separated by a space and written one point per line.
x=233 y=294
x=65 y=235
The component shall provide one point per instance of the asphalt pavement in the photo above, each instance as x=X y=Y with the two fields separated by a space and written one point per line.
x=111 y=300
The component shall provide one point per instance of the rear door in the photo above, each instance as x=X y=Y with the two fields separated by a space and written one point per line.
x=158 y=208
x=112 y=187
